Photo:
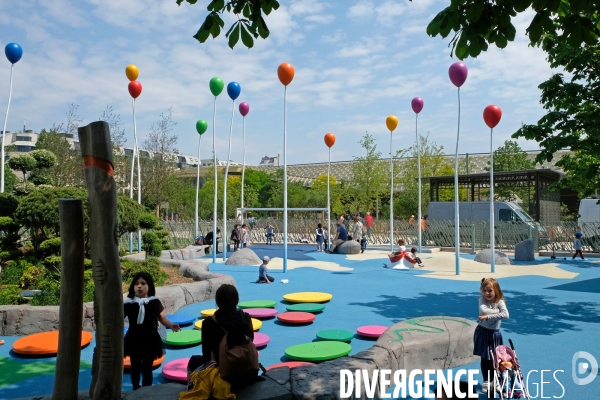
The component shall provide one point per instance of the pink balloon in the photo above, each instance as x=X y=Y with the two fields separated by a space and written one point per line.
x=417 y=104
x=244 y=108
x=458 y=73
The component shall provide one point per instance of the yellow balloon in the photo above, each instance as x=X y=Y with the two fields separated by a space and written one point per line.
x=391 y=122
x=132 y=72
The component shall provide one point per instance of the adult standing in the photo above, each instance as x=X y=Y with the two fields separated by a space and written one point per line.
x=369 y=223
x=357 y=230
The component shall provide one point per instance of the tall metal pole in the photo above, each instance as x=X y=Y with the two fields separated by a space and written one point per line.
x=215 y=240
x=225 y=183
x=391 y=195
x=492 y=234
x=133 y=159
x=198 y=184
x=4 y=129
x=139 y=173
x=456 y=201
x=419 y=171
x=328 y=202
x=243 y=162
x=285 y=193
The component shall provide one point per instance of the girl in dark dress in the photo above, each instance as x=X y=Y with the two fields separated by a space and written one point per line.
x=142 y=342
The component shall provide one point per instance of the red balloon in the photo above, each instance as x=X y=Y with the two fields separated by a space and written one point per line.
x=329 y=139
x=135 y=89
x=492 y=115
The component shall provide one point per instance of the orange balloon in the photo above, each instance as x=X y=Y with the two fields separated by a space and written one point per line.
x=391 y=122
x=329 y=139
x=285 y=72
x=132 y=72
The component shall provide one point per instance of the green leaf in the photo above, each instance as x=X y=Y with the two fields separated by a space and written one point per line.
x=204 y=31
x=246 y=11
x=216 y=5
x=521 y=5
x=247 y=38
x=433 y=29
x=263 y=30
x=501 y=41
x=510 y=32
x=266 y=7
x=474 y=50
x=235 y=35
x=215 y=29
x=504 y=19
x=474 y=12
x=535 y=29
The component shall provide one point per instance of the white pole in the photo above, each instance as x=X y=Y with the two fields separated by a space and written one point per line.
x=224 y=232
x=138 y=173
x=243 y=162
x=215 y=243
x=328 y=202
x=492 y=236
x=456 y=203
x=198 y=185
x=285 y=204
x=419 y=170
x=391 y=195
x=4 y=130
x=132 y=170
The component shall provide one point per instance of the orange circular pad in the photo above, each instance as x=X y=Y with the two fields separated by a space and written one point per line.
x=157 y=361
x=44 y=343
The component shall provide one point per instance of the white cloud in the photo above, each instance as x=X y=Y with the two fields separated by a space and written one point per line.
x=361 y=10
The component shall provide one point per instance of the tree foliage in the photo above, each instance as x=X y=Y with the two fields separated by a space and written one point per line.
x=250 y=23
x=24 y=163
x=478 y=23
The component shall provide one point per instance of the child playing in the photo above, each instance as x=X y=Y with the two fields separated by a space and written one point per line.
x=320 y=237
x=413 y=253
x=142 y=341
x=492 y=310
x=263 y=272
x=245 y=236
x=269 y=234
x=577 y=245
x=401 y=247
x=235 y=237
x=325 y=238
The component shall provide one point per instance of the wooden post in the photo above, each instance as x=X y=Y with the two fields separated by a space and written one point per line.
x=70 y=317
x=107 y=364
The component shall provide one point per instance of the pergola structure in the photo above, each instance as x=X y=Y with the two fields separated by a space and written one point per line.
x=544 y=203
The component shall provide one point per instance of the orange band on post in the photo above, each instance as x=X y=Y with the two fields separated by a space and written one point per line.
x=91 y=161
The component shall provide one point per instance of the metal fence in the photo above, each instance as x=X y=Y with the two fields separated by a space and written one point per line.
x=558 y=237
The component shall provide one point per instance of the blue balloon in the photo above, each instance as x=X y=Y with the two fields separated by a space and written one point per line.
x=233 y=90
x=13 y=52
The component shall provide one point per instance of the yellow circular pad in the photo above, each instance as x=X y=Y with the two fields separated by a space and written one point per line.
x=198 y=324
x=256 y=324
x=208 y=313
x=308 y=297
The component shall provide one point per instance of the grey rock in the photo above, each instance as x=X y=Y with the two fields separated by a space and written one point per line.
x=524 y=251
x=243 y=257
x=348 y=247
x=485 y=256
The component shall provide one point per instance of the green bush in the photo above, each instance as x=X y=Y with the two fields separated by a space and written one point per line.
x=88 y=286
x=38 y=178
x=151 y=266
x=43 y=158
x=50 y=247
x=151 y=244
x=12 y=272
x=32 y=276
x=49 y=295
x=53 y=263
x=8 y=204
x=10 y=295
x=148 y=221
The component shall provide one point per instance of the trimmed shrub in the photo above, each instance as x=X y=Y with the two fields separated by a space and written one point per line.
x=151 y=266
x=49 y=295
x=148 y=221
x=11 y=295
x=50 y=247
x=12 y=272
x=32 y=276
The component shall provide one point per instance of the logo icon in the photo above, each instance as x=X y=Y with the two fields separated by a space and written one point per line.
x=581 y=367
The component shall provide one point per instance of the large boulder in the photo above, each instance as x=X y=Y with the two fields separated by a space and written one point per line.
x=243 y=257
x=348 y=247
x=524 y=251
x=485 y=257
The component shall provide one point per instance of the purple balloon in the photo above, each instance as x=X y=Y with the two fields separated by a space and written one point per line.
x=244 y=108
x=458 y=73
x=417 y=104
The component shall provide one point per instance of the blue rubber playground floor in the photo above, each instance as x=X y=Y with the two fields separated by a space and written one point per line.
x=550 y=319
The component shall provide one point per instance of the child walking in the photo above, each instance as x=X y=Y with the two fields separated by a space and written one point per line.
x=269 y=229
x=142 y=341
x=577 y=245
x=245 y=236
x=492 y=310
x=320 y=237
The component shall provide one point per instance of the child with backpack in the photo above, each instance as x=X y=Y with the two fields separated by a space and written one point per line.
x=578 y=246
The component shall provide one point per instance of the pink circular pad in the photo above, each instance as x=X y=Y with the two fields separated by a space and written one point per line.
x=261 y=312
x=296 y=317
x=261 y=339
x=176 y=370
x=371 y=330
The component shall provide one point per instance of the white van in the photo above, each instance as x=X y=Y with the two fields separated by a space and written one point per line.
x=589 y=211
x=473 y=211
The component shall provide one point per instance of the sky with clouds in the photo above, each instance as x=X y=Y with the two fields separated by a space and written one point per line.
x=356 y=62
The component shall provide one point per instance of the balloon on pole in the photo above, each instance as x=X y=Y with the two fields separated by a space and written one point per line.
x=233 y=91
x=391 y=122
x=491 y=116
x=244 y=110
x=417 y=105
x=215 y=85
x=201 y=127
x=132 y=72
x=135 y=89
x=458 y=75
x=13 y=52
x=285 y=73
x=329 y=142
x=329 y=139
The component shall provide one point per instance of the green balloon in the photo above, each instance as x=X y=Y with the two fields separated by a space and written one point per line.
x=216 y=85
x=201 y=126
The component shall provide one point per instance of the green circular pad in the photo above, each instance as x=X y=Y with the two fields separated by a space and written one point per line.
x=306 y=307
x=338 y=335
x=184 y=338
x=257 y=304
x=318 y=351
